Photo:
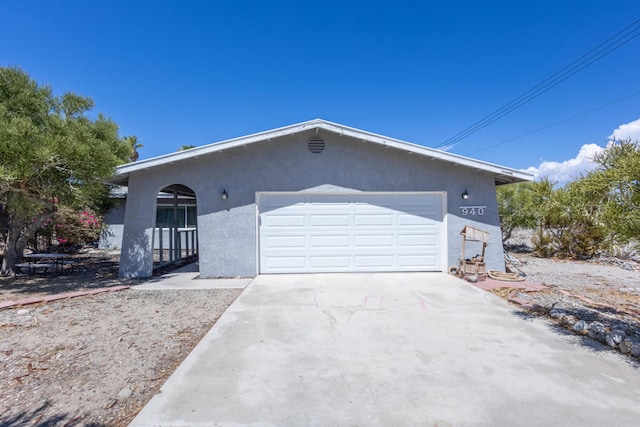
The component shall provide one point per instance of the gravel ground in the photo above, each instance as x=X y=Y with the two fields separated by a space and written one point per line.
x=95 y=361
x=607 y=291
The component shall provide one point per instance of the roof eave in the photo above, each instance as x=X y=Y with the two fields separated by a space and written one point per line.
x=501 y=173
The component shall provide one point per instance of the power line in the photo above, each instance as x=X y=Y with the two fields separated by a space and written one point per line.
x=556 y=123
x=613 y=43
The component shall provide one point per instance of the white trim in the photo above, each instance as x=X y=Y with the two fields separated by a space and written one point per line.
x=500 y=171
x=257 y=234
x=445 y=231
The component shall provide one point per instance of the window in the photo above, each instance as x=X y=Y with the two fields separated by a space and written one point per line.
x=187 y=216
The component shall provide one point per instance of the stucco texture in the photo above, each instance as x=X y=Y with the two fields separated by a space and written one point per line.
x=227 y=229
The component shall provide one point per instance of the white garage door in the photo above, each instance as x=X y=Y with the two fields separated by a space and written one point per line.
x=306 y=233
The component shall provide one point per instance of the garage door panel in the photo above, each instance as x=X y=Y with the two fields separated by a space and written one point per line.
x=406 y=219
x=350 y=232
x=367 y=200
x=369 y=220
x=373 y=261
x=330 y=263
x=328 y=220
x=330 y=241
x=272 y=242
x=284 y=263
x=374 y=241
x=287 y=221
x=418 y=240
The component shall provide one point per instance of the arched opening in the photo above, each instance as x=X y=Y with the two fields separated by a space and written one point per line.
x=175 y=238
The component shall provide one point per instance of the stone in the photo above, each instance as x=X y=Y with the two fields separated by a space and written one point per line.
x=125 y=393
x=580 y=327
x=614 y=338
x=635 y=350
x=568 y=320
x=22 y=312
x=556 y=314
x=621 y=327
x=597 y=331
x=625 y=346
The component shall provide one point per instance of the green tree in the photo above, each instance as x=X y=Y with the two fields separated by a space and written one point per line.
x=587 y=215
x=519 y=205
x=51 y=155
x=186 y=147
x=571 y=222
x=134 y=145
x=618 y=176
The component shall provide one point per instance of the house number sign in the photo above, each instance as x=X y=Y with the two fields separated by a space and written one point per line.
x=472 y=210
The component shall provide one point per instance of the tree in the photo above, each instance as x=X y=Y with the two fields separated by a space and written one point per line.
x=590 y=214
x=519 y=205
x=132 y=143
x=618 y=176
x=51 y=155
x=571 y=222
x=186 y=147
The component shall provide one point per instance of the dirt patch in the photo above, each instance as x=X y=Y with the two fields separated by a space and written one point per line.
x=95 y=360
x=91 y=269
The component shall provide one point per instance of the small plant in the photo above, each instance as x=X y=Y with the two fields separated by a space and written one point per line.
x=543 y=244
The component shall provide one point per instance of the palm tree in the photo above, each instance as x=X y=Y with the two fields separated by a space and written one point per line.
x=132 y=141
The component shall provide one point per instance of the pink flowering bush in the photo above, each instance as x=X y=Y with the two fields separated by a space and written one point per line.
x=69 y=228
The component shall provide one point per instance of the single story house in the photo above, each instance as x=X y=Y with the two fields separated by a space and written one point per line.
x=316 y=197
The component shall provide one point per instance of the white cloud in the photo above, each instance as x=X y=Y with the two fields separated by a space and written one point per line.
x=629 y=130
x=563 y=172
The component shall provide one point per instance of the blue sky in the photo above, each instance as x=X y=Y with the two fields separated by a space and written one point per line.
x=189 y=72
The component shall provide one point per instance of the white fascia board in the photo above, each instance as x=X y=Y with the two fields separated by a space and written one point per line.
x=512 y=174
x=214 y=147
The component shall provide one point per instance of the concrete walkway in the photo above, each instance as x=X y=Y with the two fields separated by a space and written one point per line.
x=187 y=277
x=390 y=349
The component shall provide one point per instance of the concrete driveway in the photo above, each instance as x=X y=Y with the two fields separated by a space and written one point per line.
x=390 y=349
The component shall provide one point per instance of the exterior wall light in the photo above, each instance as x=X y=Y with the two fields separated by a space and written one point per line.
x=224 y=196
x=465 y=195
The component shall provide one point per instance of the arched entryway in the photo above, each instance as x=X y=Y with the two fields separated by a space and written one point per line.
x=175 y=237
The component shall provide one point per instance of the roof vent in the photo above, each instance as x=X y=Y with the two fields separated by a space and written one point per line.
x=316 y=145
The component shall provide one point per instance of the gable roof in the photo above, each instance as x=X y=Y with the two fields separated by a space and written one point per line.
x=503 y=175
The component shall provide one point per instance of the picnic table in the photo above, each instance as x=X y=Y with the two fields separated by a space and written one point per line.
x=44 y=262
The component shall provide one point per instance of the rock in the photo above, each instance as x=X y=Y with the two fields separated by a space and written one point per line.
x=621 y=327
x=568 y=320
x=635 y=350
x=625 y=346
x=556 y=314
x=22 y=312
x=580 y=327
x=614 y=338
x=125 y=393
x=597 y=331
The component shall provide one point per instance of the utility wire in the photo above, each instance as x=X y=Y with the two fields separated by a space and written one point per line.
x=613 y=43
x=556 y=123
